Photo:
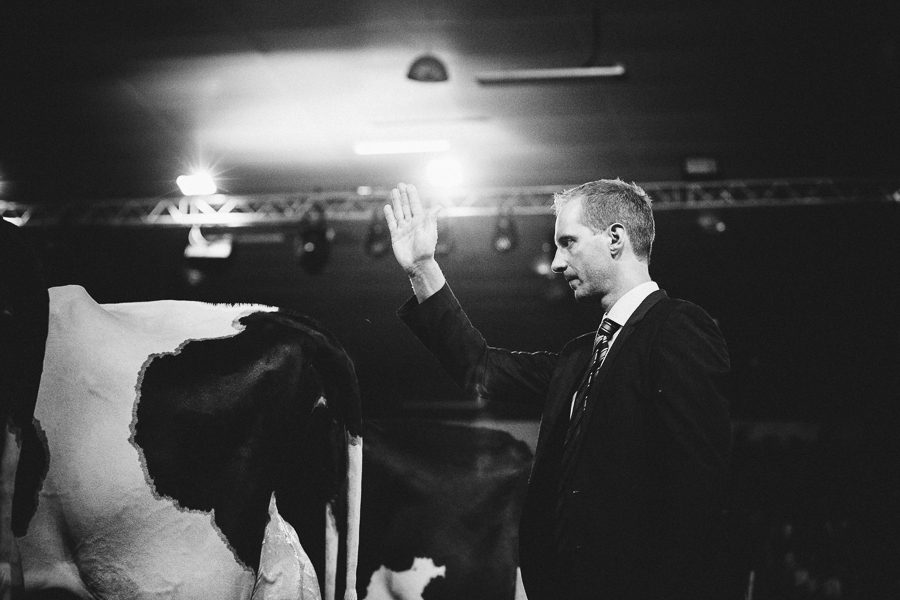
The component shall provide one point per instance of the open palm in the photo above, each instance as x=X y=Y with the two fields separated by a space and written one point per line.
x=413 y=229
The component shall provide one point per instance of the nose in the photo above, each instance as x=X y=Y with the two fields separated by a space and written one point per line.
x=558 y=265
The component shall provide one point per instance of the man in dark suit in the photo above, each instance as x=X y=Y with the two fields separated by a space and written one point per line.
x=625 y=495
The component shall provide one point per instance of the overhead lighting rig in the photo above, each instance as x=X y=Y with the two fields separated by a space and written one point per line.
x=312 y=247
x=428 y=69
x=558 y=74
x=506 y=235
x=378 y=237
x=285 y=209
x=206 y=256
x=589 y=70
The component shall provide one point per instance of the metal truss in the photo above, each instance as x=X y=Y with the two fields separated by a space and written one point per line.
x=286 y=209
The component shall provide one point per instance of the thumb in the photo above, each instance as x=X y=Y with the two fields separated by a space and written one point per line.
x=434 y=212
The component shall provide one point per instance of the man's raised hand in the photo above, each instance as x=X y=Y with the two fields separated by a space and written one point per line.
x=413 y=229
x=414 y=238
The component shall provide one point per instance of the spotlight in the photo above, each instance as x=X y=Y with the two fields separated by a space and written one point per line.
x=378 y=238
x=428 y=69
x=444 y=172
x=206 y=256
x=544 y=262
x=312 y=247
x=213 y=247
x=710 y=223
x=695 y=168
x=506 y=238
x=196 y=184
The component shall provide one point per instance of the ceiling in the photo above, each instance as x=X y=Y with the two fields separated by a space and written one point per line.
x=106 y=99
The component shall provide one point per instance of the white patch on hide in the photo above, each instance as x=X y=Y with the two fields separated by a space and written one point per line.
x=406 y=585
x=520 y=587
x=285 y=571
x=93 y=361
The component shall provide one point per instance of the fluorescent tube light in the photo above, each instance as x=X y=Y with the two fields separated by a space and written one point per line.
x=401 y=147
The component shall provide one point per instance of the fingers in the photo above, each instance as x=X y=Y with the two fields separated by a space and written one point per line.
x=415 y=204
x=396 y=204
x=405 y=204
x=404 y=200
x=389 y=215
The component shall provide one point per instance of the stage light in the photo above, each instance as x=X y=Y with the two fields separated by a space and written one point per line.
x=444 y=172
x=312 y=247
x=217 y=247
x=428 y=69
x=378 y=237
x=694 y=168
x=205 y=256
x=197 y=184
x=544 y=262
x=506 y=238
x=193 y=276
x=711 y=223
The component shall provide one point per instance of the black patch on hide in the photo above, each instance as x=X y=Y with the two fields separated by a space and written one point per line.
x=24 y=317
x=222 y=423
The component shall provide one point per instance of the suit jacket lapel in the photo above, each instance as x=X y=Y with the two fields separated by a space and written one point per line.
x=562 y=400
x=597 y=385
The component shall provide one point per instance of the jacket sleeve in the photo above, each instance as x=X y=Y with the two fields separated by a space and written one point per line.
x=691 y=441
x=481 y=371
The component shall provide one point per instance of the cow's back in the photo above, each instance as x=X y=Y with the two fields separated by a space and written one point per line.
x=99 y=524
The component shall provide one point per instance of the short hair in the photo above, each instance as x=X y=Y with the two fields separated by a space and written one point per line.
x=608 y=201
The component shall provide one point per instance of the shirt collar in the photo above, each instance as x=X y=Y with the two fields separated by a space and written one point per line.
x=627 y=304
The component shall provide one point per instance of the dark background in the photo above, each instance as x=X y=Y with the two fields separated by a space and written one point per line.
x=113 y=100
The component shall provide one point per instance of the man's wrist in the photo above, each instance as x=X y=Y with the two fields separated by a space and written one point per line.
x=426 y=279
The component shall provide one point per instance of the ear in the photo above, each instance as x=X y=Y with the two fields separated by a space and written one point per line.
x=617 y=238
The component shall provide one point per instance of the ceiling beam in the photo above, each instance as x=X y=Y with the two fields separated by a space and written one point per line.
x=284 y=209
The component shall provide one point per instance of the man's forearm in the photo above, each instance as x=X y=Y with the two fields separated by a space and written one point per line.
x=426 y=279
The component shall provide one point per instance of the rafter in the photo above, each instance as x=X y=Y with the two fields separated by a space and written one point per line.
x=280 y=209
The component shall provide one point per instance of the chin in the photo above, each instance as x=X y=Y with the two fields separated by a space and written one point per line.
x=587 y=296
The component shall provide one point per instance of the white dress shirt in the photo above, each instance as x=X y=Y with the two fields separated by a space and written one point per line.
x=621 y=311
x=623 y=308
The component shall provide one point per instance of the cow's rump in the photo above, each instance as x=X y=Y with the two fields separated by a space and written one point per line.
x=168 y=426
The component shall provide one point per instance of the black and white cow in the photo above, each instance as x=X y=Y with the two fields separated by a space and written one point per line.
x=188 y=450
x=440 y=511
x=181 y=450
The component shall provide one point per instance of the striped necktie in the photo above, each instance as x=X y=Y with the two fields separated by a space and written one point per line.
x=605 y=333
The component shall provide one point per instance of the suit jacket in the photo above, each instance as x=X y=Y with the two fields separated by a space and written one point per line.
x=642 y=503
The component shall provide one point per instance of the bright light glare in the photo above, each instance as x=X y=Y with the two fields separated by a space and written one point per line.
x=198 y=184
x=444 y=172
x=199 y=247
x=542 y=267
x=401 y=147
